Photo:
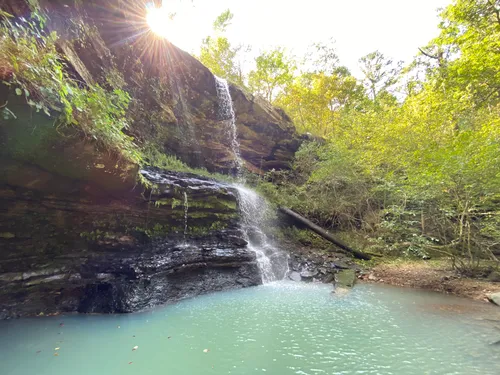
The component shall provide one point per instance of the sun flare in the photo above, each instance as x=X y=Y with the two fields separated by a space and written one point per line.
x=160 y=21
x=169 y=24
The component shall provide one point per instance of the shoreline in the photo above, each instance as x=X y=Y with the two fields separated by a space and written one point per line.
x=433 y=276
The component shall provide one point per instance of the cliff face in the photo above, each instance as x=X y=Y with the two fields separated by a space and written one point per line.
x=77 y=233
x=174 y=98
x=69 y=245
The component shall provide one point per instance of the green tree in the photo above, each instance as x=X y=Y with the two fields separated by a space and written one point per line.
x=219 y=55
x=274 y=70
x=317 y=101
x=380 y=73
x=412 y=176
x=468 y=50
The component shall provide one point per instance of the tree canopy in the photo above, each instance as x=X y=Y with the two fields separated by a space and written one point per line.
x=410 y=156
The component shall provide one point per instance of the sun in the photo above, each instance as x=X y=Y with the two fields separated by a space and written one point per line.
x=171 y=25
x=160 y=21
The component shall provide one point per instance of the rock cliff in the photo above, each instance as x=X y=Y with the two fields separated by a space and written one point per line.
x=77 y=232
x=69 y=245
x=174 y=100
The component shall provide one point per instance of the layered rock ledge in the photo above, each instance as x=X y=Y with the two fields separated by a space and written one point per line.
x=69 y=246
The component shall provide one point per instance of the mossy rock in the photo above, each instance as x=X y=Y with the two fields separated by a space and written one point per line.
x=345 y=278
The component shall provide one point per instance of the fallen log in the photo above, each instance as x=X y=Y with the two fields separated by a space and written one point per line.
x=323 y=233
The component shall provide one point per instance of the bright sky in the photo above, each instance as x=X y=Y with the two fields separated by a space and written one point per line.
x=394 y=27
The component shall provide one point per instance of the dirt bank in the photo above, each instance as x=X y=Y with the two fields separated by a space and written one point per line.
x=435 y=275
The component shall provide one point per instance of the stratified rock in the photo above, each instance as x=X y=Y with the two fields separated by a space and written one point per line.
x=345 y=278
x=266 y=134
x=77 y=231
x=494 y=298
x=79 y=247
x=295 y=276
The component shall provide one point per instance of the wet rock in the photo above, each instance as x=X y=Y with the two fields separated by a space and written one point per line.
x=340 y=265
x=309 y=274
x=494 y=298
x=330 y=278
x=107 y=251
x=322 y=270
x=345 y=278
x=295 y=276
x=9 y=277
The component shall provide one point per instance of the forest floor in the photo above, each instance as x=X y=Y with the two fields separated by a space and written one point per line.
x=432 y=275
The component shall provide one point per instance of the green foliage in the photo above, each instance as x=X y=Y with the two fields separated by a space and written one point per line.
x=380 y=73
x=273 y=71
x=219 y=55
x=223 y=21
x=32 y=66
x=153 y=157
x=467 y=51
x=416 y=176
x=304 y=237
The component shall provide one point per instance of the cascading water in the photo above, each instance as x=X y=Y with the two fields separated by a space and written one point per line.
x=186 y=208
x=273 y=263
x=226 y=112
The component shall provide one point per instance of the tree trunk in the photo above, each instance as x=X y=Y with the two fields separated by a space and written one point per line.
x=323 y=233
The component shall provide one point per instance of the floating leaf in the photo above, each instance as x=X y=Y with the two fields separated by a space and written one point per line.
x=19 y=91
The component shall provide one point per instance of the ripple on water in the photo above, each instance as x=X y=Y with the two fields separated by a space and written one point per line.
x=279 y=328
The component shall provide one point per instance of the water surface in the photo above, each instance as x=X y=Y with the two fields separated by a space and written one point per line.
x=279 y=328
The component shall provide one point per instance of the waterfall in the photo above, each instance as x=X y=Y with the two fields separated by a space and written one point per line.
x=226 y=112
x=186 y=208
x=273 y=263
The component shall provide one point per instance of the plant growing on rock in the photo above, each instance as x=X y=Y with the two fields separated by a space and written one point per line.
x=33 y=67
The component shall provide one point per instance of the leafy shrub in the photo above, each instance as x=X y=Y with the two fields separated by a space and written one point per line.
x=32 y=66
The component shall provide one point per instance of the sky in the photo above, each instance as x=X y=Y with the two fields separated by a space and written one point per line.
x=395 y=27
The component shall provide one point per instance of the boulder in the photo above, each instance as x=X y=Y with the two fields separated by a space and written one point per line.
x=308 y=274
x=345 y=278
x=330 y=278
x=295 y=276
x=266 y=134
x=494 y=298
x=340 y=265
